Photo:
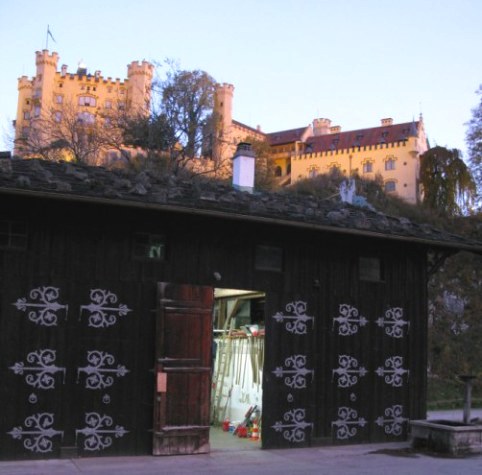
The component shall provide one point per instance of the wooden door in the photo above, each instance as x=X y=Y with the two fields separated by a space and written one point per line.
x=183 y=369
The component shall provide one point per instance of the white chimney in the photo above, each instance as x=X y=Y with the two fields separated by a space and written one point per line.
x=243 y=168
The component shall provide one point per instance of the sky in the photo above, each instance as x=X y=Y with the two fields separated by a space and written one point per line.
x=290 y=61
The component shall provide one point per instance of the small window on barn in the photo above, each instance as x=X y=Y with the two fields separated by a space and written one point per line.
x=13 y=235
x=149 y=246
x=370 y=269
x=269 y=258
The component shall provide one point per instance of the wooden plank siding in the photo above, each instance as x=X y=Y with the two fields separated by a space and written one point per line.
x=79 y=247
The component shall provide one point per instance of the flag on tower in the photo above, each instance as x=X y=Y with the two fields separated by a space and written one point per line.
x=49 y=33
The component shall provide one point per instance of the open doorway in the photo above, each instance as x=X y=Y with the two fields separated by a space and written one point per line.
x=237 y=376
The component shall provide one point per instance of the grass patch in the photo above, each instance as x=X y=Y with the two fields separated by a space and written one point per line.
x=449 y=394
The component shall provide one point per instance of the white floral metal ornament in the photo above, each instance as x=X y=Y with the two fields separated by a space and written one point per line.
x=42 y=306
x=101 y=370
x=295 y=372
x=102 y=312
x=37 y=432
x=296 y=322
x=294 y=428
x=393 y=322
x=349 y=320
x=393 y=421
x=393 y=371
x=40 y=369
x=347 y=423
x=98 y=431
x=349 y=371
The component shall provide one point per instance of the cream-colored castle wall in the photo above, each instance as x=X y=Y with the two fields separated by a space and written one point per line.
x=51 y=91
x=350 y=161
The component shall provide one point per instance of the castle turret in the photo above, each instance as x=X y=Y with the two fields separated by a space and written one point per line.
x=139 y=85
x=321 y=127
x=44 y=80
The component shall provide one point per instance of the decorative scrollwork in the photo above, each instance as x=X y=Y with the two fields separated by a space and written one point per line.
x=43 y=307
x=98 y=434
x=347 y=423
x=393 y=322
x=102 y=315
x=393 y=422
x=349 y=320
x=349 y=371
x=296 y=371
x=296 y=322
x=38 y=432
x=39 y=373
x=99 y=374
x=393 y=371
x=294 y=430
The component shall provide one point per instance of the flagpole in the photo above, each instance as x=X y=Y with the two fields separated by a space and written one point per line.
x=47 y=39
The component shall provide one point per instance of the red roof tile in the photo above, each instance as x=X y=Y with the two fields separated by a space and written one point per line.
x=286 y=136
x=361 y=137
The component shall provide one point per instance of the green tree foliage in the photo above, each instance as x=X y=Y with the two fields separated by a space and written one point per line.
x=474 y=143
x=448 y=186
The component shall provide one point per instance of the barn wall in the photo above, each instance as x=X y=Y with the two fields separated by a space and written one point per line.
x=76 y=248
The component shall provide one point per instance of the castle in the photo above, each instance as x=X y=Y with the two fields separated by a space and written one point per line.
x=389 y=150
x=51 y=95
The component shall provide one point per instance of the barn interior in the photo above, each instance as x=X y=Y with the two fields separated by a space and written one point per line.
x=238 y=356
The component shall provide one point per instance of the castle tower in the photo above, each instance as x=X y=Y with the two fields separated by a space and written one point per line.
x=139 y=83
x=223 y=107
x=43 y=83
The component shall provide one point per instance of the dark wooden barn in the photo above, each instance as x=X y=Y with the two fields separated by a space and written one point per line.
x=106 y=301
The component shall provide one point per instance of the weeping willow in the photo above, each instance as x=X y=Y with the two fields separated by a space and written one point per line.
x=448 y=185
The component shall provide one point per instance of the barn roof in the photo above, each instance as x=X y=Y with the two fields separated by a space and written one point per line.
x=81 y=183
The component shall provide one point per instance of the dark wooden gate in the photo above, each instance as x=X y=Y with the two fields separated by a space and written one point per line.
x=75 y=379
x=183 y=355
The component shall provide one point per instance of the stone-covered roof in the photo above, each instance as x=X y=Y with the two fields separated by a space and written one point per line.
x=361 y=138
x=52 y=180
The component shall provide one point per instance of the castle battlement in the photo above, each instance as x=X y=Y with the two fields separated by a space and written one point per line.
x=140 y=67
x=43 y=57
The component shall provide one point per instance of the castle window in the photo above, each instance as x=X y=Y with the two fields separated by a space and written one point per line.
x=26 y=115
x=37 y=93
x=390 y=186
x=59 y=99
x=122 y=106
x=25 y=132
x=57 y=116
x=390 y=164
x=368 y=167
x=36 y=111
x=86 y=118
x=87 y=101
x=278 y=171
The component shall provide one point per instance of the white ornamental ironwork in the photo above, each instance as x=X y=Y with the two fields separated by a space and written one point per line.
x=347 y=423
x=42 y=307
x=294 y=429
x=296 y=322
x=393 y=422
x=349 y=371
x=393 y=322
x=349 y=320
x=98 y=431
x=101 y=371
x=37 y=432
x=102 y=313
x=393 y=371
x=40 y=370
x=295 y=372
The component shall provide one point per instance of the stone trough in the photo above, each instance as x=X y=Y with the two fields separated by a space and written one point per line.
x=448 y=436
